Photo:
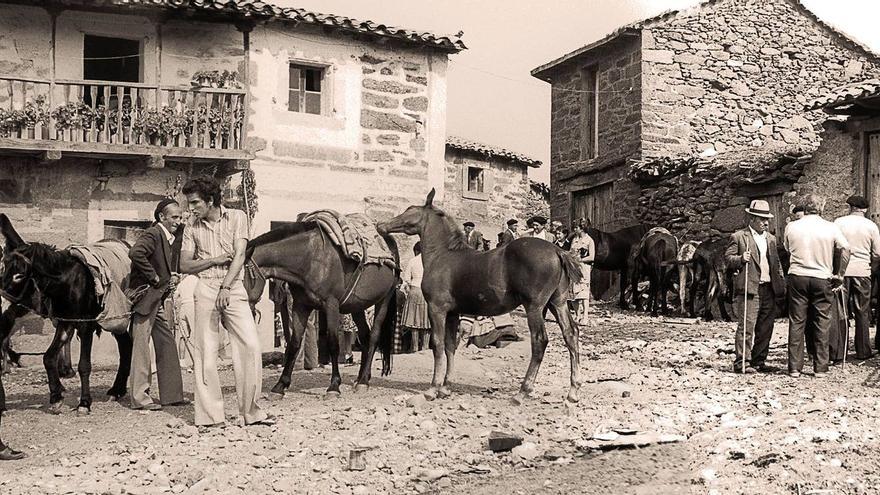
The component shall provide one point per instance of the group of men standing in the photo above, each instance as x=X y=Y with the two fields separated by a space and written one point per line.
x=830 y=267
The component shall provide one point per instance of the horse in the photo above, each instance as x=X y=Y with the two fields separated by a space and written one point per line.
x=685 y=262
x=458 y=280
x=657 y=253
x=320 y=277
x=67 y=291
x=613 y=252
x=711 y=273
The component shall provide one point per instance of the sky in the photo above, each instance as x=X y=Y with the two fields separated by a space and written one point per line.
x=491 y=95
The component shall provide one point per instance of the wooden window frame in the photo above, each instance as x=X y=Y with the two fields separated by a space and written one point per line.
x=465 y=182
x=323 y=92
x=589 y=122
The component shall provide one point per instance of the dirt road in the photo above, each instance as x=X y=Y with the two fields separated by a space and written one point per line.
x=763 y=433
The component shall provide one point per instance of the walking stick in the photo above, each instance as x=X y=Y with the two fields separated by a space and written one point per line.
x=745 y=313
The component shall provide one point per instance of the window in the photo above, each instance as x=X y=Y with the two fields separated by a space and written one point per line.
x=111 y=59
x=589 y=122
x=475 y=180
x=304 y=93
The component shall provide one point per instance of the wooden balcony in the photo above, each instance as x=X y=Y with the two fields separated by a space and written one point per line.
x=109 y=119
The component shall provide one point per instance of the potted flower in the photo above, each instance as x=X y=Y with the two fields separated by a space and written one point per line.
x=35 y=112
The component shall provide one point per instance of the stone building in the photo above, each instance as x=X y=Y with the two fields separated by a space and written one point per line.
x=725 y=77
x=486 y=185
x=849 y=154
x=108 y=106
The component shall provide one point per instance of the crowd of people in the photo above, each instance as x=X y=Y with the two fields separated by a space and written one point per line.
x=829 y=275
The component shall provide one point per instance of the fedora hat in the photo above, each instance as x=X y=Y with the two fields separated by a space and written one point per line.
x=759 y=208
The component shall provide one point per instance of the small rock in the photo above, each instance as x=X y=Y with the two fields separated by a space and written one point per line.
x=708 y=475
x=554 y=454
x=527 y=451
x=155 y=468
x=416 y=400
x=360 y=490
x=502 y=442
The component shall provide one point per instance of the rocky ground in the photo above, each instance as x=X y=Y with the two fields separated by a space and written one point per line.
x=763 y=433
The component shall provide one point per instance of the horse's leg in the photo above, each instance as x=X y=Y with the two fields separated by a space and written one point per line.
x=438 y=338
x=664 y=290
x=451 y=342
x=65 y=363
x=298 y=321
x=539 y=345
x=50 y=362
x=624 y=273
x=86 y=334
x=683 y=271
x=329 y=319
x=124 y=345
x=637 y=301
x=368 y=344
x=570 y=334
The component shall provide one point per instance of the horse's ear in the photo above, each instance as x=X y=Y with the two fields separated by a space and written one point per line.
x=430 y=199
x=13 y=240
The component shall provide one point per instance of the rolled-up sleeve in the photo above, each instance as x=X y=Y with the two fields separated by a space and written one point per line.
x=240 y=226
x=189 y=243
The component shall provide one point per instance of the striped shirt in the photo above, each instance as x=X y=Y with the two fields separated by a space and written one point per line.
x=211 y=239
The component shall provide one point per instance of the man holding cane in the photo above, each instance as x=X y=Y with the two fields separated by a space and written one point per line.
x=759 y=284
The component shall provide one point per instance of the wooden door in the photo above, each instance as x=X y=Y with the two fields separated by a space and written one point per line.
x=780 y=214
x=872 y=175
x=596 y=204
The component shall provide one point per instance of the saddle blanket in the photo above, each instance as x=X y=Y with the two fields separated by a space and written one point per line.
x=355 y=234
x=110 y=266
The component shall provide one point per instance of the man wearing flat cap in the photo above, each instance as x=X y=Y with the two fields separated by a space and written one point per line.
x=863 y=237
x=473 y=238
x=509 y=234
x=152 y=278
x=537 y=229
x=759 y=284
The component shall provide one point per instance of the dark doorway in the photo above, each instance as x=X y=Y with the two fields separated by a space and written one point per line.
x=111 y=59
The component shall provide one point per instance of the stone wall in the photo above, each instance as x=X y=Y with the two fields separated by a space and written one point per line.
x=738 y=73
x=508 y=185
x=619 y=81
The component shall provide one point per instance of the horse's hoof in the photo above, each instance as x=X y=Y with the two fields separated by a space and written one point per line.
x=572 y=397
x=68 y=373
x=358 y=387
x=276 y=396
x=431 y=394
x=444 y=393
x=518 y=399
x=83 y=411
x=332 y=394
x=56 y=408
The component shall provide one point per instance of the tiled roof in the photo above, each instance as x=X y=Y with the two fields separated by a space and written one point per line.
x=490 y=151
x=636 y=27
x=259 y=9
x=847 y=94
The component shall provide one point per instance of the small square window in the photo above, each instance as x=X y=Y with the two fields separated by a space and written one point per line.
x=476 y=180
x=305 y=89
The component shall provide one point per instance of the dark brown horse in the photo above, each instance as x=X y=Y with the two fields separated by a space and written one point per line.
x=713 y=277
x=656 y=259
x=68 y=294
x=459 y=280
x=322 y=278
x=613 y=252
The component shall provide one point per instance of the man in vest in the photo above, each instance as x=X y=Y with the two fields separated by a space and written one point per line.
x=473 y=238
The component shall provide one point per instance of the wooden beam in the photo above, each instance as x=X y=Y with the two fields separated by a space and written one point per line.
x=120 y=151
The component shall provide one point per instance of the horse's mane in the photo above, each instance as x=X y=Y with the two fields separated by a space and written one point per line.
x=47 y=257
x=279 y=234
x=455 y=240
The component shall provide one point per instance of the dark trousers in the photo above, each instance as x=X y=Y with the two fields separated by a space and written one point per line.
x=805 y=293
x=858 y=294
x=764 y=324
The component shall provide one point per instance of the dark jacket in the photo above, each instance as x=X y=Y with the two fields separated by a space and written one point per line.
x=505 y=238
x=742 y=241
x=152 y=261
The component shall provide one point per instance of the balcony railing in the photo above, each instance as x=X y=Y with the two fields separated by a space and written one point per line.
x=111 y=112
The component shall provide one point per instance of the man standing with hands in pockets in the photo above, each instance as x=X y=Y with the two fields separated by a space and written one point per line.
x=758 y=285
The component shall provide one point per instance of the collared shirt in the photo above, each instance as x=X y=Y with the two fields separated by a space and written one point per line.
x=763 y=263
x=541 y=235
x=168 y=235
x=863 y=237
x=211 y=239
x=811 y=242
x=413 y=272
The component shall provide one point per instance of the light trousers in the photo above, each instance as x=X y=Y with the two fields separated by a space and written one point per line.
x=246 y=358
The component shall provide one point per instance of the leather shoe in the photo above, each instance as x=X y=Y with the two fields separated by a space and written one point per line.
x=268 y=421
x=7 y=454
x=749 y=370
x=763 y=368
x=184 y=402
x=152 y=406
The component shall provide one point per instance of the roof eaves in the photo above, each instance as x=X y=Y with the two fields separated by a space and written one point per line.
x=488 y=151
x=845 y=95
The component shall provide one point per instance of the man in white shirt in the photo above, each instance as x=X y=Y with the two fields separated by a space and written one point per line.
x=537 y=229
x=819 y=256
x=863 y=237
x=752 y=251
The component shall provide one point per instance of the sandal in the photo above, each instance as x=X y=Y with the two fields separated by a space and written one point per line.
x=269 y=420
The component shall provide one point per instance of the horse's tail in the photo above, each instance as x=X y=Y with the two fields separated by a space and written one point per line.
x=571 y=267
x=386 y=335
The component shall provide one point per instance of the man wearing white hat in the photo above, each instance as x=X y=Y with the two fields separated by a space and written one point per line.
x=759 y=284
